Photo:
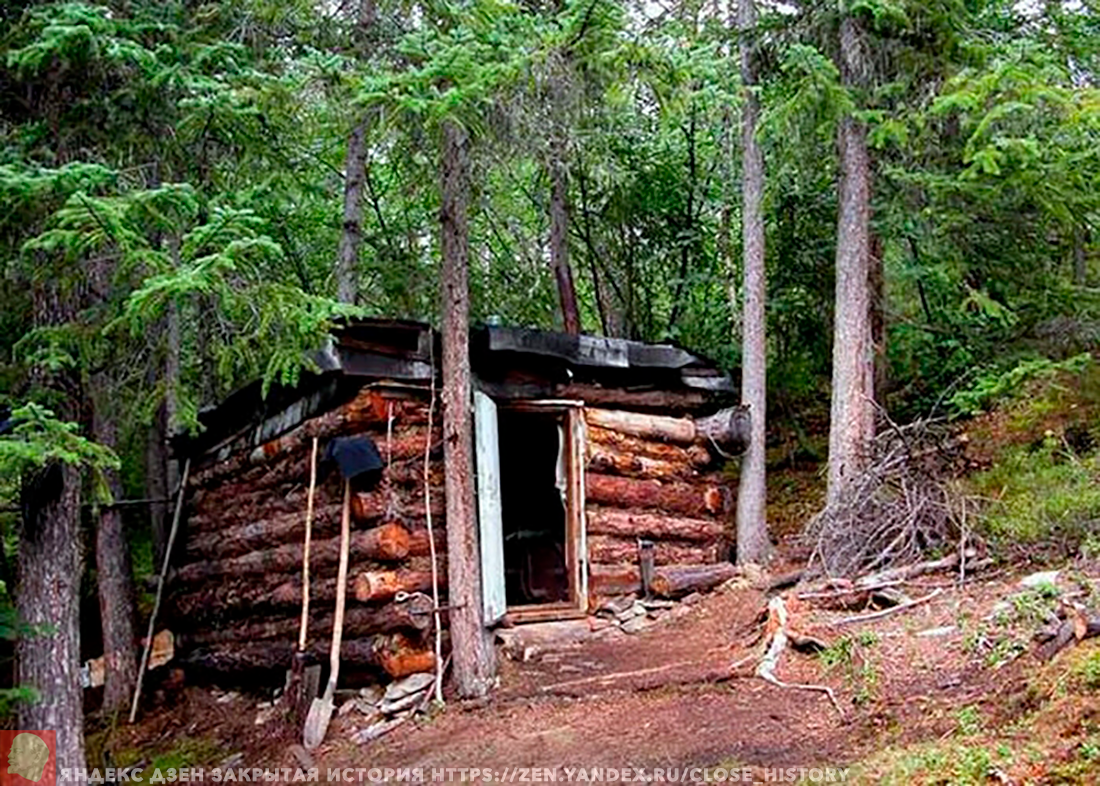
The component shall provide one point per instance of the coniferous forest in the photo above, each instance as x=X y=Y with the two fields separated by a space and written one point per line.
x=869 y=213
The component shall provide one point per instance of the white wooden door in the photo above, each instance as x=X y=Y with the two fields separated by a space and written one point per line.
x=490 y=525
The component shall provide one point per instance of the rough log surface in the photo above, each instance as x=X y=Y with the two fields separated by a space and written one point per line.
x=415 y=615
x=396 y=654
x=604 y=580
x=695 y=455
x=607 y=549
x=659 y=427
x=674 y=580
x=375 y=585
x=389 y=543
x=605 y=521
x=695 y=500
x=614 y=462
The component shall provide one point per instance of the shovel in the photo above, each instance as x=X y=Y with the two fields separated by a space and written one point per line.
x=298 y=690
x=320 y=712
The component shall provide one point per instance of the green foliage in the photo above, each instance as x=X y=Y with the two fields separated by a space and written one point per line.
x=996 y=386
x=1042 y=495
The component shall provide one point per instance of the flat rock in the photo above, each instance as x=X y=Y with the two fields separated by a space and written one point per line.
x=1040 y=579
x=414 y=683
x=633 y=625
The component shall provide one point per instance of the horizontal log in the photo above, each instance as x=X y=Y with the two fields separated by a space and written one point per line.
x=606 y=580
x=695 y=455
x=419 y=545
x=387 y=543
x=414 y=614
x=608 y=549
x=375 y=585
x=672 y=581
x=232 y=541
x=659 y=427
x=728 y=429
x=622 y=523
x=613 y=462
x=663 y=401
x=369 y=507
x=687 y=499
x=371 y=408
x=394 y=653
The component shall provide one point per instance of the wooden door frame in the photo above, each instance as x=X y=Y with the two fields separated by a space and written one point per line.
x=576 y=557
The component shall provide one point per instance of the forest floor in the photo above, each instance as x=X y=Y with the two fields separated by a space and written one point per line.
x=946 y=691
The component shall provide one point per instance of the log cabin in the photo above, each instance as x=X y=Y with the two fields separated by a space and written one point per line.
x=598 y=465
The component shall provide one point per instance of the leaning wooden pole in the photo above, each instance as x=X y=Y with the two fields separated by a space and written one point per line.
x=160 y=590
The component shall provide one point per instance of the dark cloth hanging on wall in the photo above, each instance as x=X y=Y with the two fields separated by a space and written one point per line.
x=357 y=458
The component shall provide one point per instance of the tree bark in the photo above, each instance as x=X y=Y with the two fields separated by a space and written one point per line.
x=852 y=415
x=609 y=550
x=114 y=579
x=473 y=653
x=680 y=431
x=559 y=243
x=752 y=529
x=355 y=175
x=395 y=653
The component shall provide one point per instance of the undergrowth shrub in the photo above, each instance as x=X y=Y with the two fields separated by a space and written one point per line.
x=1044 y=495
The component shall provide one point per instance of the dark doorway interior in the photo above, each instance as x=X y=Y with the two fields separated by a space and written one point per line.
x=532 y=510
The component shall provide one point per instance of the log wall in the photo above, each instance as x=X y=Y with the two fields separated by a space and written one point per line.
x=236 y=594
x=650 y=477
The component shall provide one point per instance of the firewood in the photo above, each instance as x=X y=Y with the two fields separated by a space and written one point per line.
x=389 y=542
x=696 y=500
x=1071 y=630
x=608 y=549
x=605 y=580
x=676 y=580
x=604 y=521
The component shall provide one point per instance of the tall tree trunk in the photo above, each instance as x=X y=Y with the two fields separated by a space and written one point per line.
x=48 y=573
x=852 y=415
x=347 y=261
x=559 y=243
x=473 y=652
x=114 y=578
x=752 y=531
x=355 y=173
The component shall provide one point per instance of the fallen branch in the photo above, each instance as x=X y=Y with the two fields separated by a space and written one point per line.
x=777 y=611
x=1074 y=629
x=886 y=612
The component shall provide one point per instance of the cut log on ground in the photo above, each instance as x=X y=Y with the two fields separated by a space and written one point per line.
x=673 y=581
x=387 y=543
x=621 y=523
x=1072 y=630
x=676 y=498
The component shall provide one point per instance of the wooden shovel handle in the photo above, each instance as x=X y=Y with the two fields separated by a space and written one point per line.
x=341 y=585
x=304 y=627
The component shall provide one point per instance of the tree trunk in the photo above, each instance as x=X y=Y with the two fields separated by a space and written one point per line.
x=852 y=415
x=685 y=499
x=752 y=529
x=675 y=580
x=473 y=653
x=347 y=260
x=355 y=175
x=47 y=597
x=559 y=244
x=114 y=579
x=49 y=567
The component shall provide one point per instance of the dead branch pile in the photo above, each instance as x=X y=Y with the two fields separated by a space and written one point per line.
x=903 y=505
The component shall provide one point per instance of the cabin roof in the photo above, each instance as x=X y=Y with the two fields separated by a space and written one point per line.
x=506 y=362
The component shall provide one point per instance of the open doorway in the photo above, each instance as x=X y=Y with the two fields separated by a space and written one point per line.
x=533 y=490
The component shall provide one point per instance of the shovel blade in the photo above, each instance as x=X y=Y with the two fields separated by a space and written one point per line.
x=320 y=713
